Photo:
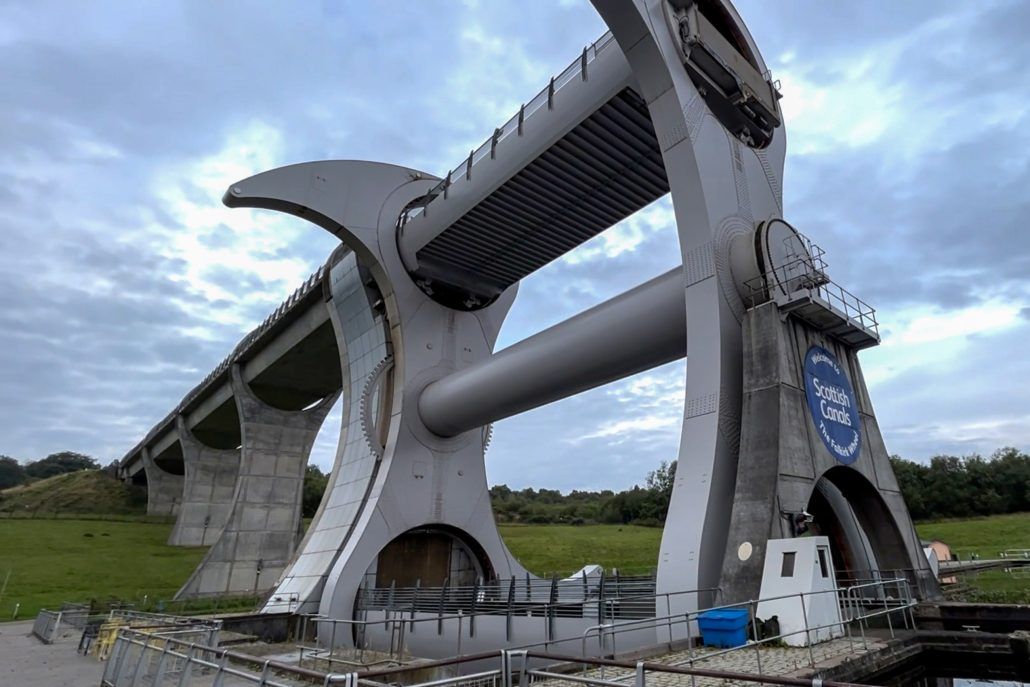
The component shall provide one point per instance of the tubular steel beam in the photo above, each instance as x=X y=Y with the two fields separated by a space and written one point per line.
x=635 y=331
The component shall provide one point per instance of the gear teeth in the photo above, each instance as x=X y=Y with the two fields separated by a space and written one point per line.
x=488 y=434
x=368 y=427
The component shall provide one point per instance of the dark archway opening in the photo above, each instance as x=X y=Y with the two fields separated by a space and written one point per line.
x=431 y=556
x=865 y=542
x=171 y=460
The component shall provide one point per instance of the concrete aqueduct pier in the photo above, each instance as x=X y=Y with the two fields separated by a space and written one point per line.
x=779 y=433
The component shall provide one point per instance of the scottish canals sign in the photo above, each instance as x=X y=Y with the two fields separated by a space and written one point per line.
x=831 y=400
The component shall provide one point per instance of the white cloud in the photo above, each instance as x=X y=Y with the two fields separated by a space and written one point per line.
x=191 y=191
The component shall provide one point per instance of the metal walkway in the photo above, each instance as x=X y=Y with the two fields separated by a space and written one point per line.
x=528 y=196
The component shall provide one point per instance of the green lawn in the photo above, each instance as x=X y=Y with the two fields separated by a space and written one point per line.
x=51 y=561
x=986 y=537
x=564 y=549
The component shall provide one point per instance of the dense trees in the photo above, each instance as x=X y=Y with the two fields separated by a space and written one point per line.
x=946 y=487
x=60 y=463
x=950 y=487
x=647 y=505
x=315 y=482
x=13 y=473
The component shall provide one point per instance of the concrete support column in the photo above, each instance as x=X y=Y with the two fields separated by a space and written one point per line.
x=164 y=489
x=264 y=525
x=207 y=494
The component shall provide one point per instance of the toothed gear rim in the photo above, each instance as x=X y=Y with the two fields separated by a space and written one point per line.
x=368 y=425
x=488 y=434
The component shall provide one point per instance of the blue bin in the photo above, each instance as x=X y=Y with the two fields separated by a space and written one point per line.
x=724 y=628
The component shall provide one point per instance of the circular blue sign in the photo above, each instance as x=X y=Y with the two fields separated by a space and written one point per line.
x=831 y=401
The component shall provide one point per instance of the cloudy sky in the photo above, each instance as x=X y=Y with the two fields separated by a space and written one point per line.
x=123 y=280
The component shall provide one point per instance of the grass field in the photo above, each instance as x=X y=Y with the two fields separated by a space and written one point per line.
x=986 y=537
x=564 y=549
x=85 y=491
x=51 y=561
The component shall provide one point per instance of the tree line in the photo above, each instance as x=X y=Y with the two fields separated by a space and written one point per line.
x=13 y=472
x=953 y=487
x=945 y=487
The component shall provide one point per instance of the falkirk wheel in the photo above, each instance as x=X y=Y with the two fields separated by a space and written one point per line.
x=778 y=429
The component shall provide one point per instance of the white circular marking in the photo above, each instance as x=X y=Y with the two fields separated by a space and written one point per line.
x=744 y=551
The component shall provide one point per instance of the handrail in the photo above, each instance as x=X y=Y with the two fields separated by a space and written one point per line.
x=515 y=124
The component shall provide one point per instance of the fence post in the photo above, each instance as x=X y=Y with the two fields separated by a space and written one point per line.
x=505 y=668
x=640 y=678
x=220 y=675
x=511 y=604
x=808 y=634
x=114 y=663
x=441 y=606
x=472 y=612
x=160 y=672
x=187 y=668
x=754 y=633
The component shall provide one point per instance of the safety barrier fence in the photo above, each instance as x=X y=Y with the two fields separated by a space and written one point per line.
x=599 y=595
x=143 y=659
x=47 y=625
x=391 y=634
x=161 y=659
x=1015 y=553
x=802 y=272
x=858 y=606
x=103 y=626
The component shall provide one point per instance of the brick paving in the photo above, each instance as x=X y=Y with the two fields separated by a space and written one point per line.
x=775 y=660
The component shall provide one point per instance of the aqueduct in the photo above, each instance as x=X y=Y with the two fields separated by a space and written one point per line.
x=402 y=321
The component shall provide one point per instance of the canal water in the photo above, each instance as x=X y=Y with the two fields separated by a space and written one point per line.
x=921 y=675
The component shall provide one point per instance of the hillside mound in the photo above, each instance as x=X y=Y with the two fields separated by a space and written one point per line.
x=83 y=492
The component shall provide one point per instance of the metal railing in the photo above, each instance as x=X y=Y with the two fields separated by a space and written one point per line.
x=160 y=658
x=802 y=273
x=522 y=668
x=1015 y=553
x=400 y=623
x=155 y=660
x=599 y=595
x=857 y=606
x=636 y=673
x=47 y=625
x=579 y=68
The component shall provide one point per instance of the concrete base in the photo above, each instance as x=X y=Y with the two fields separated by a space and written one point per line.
x=264 y=525
x=164 y=489
x=783 y=463
x=207 y=495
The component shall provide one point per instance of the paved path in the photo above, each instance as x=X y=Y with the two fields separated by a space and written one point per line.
x=779 y=661
x=27 y=662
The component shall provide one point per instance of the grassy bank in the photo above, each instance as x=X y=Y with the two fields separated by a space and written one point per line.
x=84 y=492
x=51 y=561
x=986 y=537
x=56 y=560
